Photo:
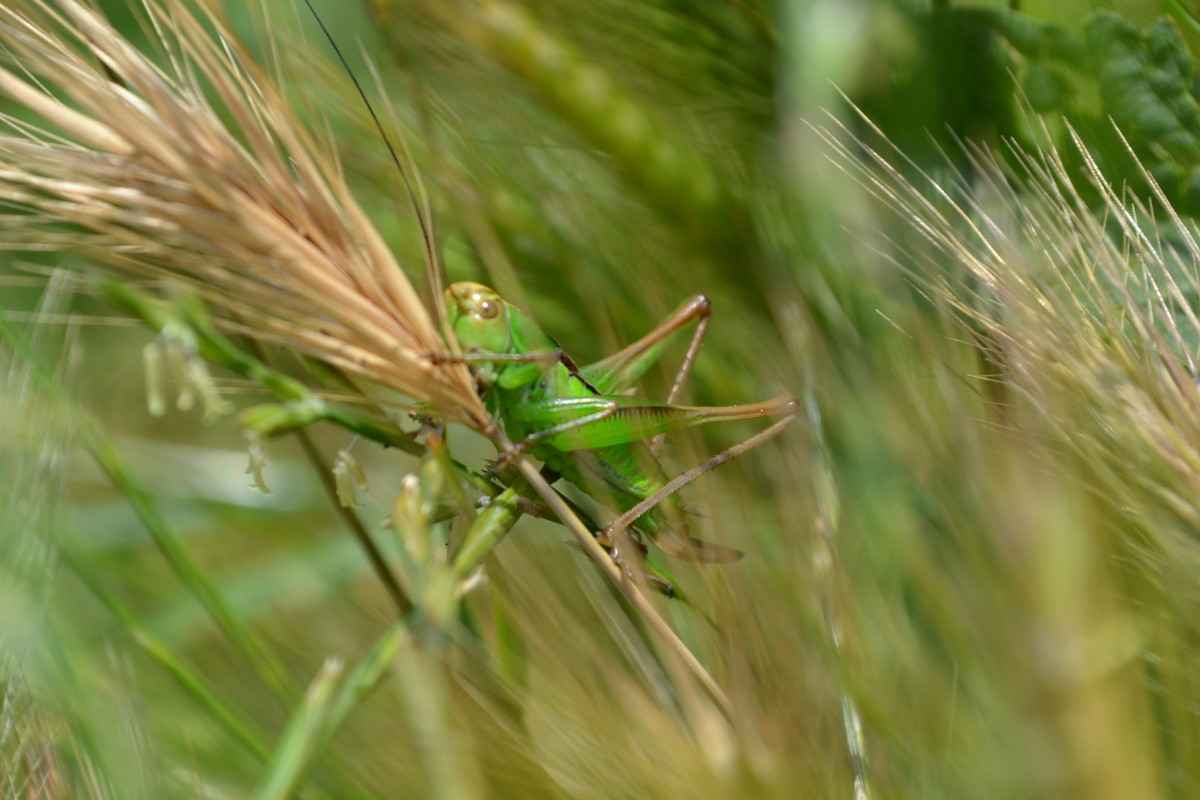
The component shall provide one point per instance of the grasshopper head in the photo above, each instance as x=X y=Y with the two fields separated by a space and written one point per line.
x=479 y=318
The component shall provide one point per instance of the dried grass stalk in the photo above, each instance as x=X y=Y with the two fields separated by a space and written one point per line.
x=195 y=171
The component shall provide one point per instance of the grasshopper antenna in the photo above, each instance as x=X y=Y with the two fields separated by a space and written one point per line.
x=425 y=225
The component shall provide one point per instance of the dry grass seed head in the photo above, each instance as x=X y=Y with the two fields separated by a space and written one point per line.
x=252 y=215
x=1088 y=311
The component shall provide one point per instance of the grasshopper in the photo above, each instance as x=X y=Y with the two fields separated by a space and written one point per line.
x=577 y=421
x=580 y=424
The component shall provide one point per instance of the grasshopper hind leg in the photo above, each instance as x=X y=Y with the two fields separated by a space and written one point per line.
x=678 y=542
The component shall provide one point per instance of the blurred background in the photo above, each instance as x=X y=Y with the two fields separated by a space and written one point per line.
x=971 y=564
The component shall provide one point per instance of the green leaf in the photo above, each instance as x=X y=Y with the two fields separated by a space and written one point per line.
x=1145 y=80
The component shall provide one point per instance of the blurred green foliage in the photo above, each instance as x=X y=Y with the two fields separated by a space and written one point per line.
x=945 y=593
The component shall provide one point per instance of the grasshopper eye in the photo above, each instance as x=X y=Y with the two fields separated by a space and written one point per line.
x=488 y=309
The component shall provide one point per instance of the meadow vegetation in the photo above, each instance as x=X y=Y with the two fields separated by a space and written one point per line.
x=962 y=235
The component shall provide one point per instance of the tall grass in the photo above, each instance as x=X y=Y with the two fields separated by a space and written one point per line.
x=970 y=568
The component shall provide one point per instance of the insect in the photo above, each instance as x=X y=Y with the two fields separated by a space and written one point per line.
x=578 y=422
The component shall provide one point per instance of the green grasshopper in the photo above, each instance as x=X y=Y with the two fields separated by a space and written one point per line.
x=578 y=422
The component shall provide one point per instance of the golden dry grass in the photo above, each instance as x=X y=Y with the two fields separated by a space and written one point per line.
x=196 y=173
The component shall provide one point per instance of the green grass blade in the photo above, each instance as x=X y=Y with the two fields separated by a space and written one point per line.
x=301 y=740
x=230 y=718
x=189 y=571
